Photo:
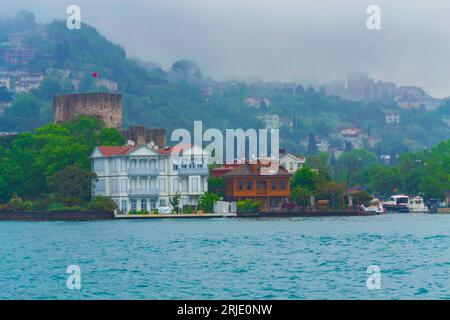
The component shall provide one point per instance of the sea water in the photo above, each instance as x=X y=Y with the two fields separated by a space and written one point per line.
x=295 y=258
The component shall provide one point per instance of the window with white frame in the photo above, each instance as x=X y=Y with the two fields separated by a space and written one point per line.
x=162 y=185
x=100 y=186
x=124 y=206
x=113 y=164
x=99 y=165
x=115 y=186
x=143 y=205
x=123 y=185
x=195 y=185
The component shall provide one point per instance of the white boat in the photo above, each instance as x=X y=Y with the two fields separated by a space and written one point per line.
x=374 y=206
x=398 y=203
x=416 y=204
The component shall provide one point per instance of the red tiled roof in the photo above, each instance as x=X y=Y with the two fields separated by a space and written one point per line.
x=178 y=149
x=217 y=172
x=246 y=170
x=108 y=151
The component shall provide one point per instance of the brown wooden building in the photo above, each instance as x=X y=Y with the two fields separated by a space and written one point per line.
x=246 y=182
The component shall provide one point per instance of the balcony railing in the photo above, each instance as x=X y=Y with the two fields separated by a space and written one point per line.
x=143 y=171
x=143 y=192
x=262 y=191
x=193 y=171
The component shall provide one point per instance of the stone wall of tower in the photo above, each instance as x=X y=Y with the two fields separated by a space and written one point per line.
x=106 y=106
x=142 y=135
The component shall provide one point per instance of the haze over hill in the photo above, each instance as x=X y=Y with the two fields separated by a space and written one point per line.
x=276 y=40
x=39 y=61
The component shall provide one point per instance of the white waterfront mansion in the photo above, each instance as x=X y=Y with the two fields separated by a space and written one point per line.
x=143 y=178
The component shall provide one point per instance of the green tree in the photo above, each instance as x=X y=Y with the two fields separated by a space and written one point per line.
x=312 y=144
x=72 y=184
x=319 y=162
x=175 y=201
x=332 y=191
x=351 y=165
x=301 y=196
x=384 y=180
x=24 y=106
x=206 y=201
x=305 y=178
x=216 y=185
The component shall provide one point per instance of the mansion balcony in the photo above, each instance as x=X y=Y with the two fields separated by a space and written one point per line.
x=193 y=171
x=143 y=171
x=262 y=192
x=143 y=192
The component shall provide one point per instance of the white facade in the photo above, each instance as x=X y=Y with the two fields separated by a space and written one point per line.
x=392 y=118
x=28 y=82
x=144 y=179
x=291 y=162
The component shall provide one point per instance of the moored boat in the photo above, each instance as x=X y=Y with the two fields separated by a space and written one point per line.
x=416 y=204
x=375 y=206
x=398 y=203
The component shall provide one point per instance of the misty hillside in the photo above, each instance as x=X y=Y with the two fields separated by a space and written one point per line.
x=175 y=98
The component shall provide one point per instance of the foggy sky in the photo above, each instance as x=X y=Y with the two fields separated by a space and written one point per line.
x=275 y=39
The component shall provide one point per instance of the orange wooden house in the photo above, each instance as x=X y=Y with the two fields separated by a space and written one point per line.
x=246 y=182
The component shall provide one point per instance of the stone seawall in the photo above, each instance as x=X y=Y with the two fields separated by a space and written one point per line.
x=55 y=215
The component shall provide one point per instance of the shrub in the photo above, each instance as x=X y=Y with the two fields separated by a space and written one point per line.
x=40 y=205
x=139 y=212
x=206 y=201
x=17 y=204
x=248 y=205
x=56 y=206
x=102 y=204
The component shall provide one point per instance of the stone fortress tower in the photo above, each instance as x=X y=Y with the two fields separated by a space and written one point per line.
x=106 y=106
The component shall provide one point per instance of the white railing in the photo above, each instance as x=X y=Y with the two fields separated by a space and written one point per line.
x=143 y=171
x=143 y=191
x=193 y=171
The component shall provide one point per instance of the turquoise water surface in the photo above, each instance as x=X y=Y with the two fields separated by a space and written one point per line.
x=300 y=258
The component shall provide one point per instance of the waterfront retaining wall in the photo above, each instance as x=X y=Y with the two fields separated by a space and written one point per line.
x=55 y=215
